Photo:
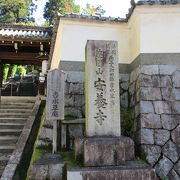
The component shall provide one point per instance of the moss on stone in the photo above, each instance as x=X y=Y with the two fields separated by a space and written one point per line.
x=164 y=178
x=38 y=153
x=127 y=122
x=70 y=161
x=69 y=117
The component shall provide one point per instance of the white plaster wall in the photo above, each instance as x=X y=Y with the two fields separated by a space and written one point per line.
x=151 y=29
x=75 y=36
x=134 y=36
x=160 y=30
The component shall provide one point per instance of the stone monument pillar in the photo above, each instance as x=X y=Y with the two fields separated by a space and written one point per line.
x=104 y=144
x=55 y=100
x=105 y=152
x=102 y=89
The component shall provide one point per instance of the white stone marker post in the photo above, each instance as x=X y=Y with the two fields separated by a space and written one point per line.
x=104 y=145
x=55 y=100
x=102 y=89
x=106 y=153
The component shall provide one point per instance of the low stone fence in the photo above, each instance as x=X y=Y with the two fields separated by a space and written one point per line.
x=70 y=130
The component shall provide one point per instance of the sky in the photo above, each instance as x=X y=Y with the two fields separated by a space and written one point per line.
x=113 y=8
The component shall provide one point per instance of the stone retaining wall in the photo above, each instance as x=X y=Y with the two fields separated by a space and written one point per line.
x=150 y=86
x=156 y=100
x=74 y=94
x=124 y=89
x=152 y=91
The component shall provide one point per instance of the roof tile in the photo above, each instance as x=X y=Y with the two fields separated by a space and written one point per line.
x=26 y=32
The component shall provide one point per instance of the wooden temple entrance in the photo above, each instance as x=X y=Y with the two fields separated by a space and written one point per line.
x=25 y=45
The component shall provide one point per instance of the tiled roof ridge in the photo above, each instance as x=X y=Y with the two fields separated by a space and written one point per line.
x=24 y=32
x=157 y=2
x=25 y=28
x=93 y=17
x=119 y=19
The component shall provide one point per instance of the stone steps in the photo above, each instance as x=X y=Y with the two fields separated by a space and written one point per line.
x=13 y=115
x=15 y=105
x=7 y=149
x=15 y=132
x=17 y=99
x=28 y=111
x=14 y=112
x=13 y=120
x=4 y=160
x=11 y=125
x=130 y=170
x=1 y=170
x=4 y=140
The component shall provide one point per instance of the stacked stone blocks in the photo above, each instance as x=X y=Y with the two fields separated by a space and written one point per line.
x=155 y=96
x=74 y=94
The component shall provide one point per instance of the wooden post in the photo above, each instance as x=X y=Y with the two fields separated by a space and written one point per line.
x=63 y=136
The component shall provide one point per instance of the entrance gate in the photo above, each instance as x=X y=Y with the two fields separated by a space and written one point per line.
x=24 y=45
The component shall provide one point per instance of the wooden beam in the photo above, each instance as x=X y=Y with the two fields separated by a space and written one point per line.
x=35 y=40
x=20 y=62
x=19 y=58
x=25 y=43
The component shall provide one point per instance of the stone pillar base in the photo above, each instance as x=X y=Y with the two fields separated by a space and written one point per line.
x=130 y=170
x=105 y=151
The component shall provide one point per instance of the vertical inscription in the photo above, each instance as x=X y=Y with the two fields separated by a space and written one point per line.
x=111 y=50
x=55 y=104
x=55 y=95
x=102 y=89
x=100 y=85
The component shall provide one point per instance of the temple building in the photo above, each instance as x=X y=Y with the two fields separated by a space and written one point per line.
x=149 y=72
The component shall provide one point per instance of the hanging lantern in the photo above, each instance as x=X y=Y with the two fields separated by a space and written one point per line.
x=44 y=66
x=41 y=47
x=16 y=47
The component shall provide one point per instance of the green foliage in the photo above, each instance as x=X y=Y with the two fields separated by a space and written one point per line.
x=29 y=23
x=14 y=69
x=55 y=7
x=70 y=117
x=127 y=122
x=21 y=70
x=69 y=159
x=5 y=72
x=45 y=24
x=164 y=178
x=11 y=70
x=38 y=153
x=16 y=11
x=92 y=10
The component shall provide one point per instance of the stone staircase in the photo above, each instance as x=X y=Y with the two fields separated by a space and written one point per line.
x=14 y=112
